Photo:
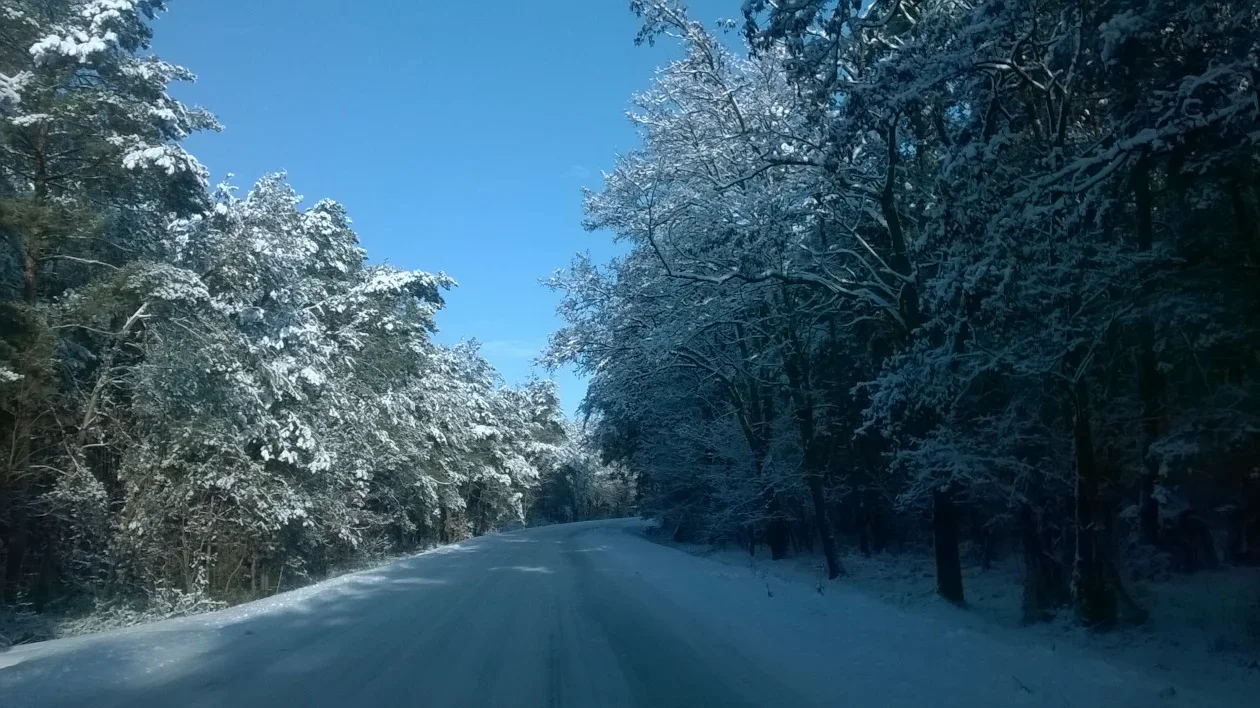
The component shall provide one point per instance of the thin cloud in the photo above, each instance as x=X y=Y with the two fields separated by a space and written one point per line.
x=578 y=172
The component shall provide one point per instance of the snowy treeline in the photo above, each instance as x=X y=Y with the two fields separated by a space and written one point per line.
x=579 y=485
x=960 y=270
x=205 y=393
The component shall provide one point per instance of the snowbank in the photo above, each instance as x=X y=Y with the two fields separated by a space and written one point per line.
x=1203 y=637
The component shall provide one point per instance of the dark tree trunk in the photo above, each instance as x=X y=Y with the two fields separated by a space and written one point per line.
x=30 y=278
x=988 y=549
x=46 y=579
x=1243 y=540
x=796 y=368
x=1094 y=595
x=1149 y=379
x=826 y=535
x=1192 y=543
x=899 y=259
x=778 y=537
x=778 y=531
x=867 y=535
x=879 y=537
x=982 y=536
x=945 y=539
x=1235 y=543
x=1244 y=224
x=479 y=515
x=23 y=424
x=1043 y=575
x=1148 y=508
x=32 y=251
x=16 y=551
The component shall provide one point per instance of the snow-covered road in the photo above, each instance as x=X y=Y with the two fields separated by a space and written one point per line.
x=573 y=615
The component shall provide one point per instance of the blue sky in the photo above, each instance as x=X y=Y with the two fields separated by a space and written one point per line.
x=458 y=134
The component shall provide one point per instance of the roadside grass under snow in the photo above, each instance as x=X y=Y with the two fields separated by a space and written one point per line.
x=75 y=617
x=1203 y=631
x=827 y=641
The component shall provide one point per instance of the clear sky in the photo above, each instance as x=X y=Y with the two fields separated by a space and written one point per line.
x=458 y=134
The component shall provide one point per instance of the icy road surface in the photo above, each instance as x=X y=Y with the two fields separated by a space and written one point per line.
x=574 y=615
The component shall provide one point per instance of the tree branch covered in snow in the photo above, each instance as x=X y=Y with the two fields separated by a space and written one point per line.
x=910 y=256
x=206 y=396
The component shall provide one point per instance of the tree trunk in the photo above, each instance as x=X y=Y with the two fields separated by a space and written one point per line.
x=866 y=531
x=778 y=537
x=23 y=422
x=33 y=246
x=1149 y=380
x=1192 y=543
x=945 y=540
x=796 y=366
x=899 y=259
x=46 y=578
x=16 y=548
x=830 y=550
x=1043 y=576
x=778 y=532
x=30 y=277
x=1244 y=224
x=879 y=537
x=1095 y=597
x=988 y=549
x=1243 y=533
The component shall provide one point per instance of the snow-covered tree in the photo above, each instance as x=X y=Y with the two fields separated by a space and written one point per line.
x=90 y=169
x=205 y=395
x=960 y=249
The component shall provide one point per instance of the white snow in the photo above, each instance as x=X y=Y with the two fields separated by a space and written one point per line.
x=29 y=119
x=11 y=90
x=582 y=614
x=1194 y=643
x=75 y=44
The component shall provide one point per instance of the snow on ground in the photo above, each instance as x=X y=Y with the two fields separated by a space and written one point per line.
x=594 y=614
x=154 y=656
x=1204 y=631
x=25 y=626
